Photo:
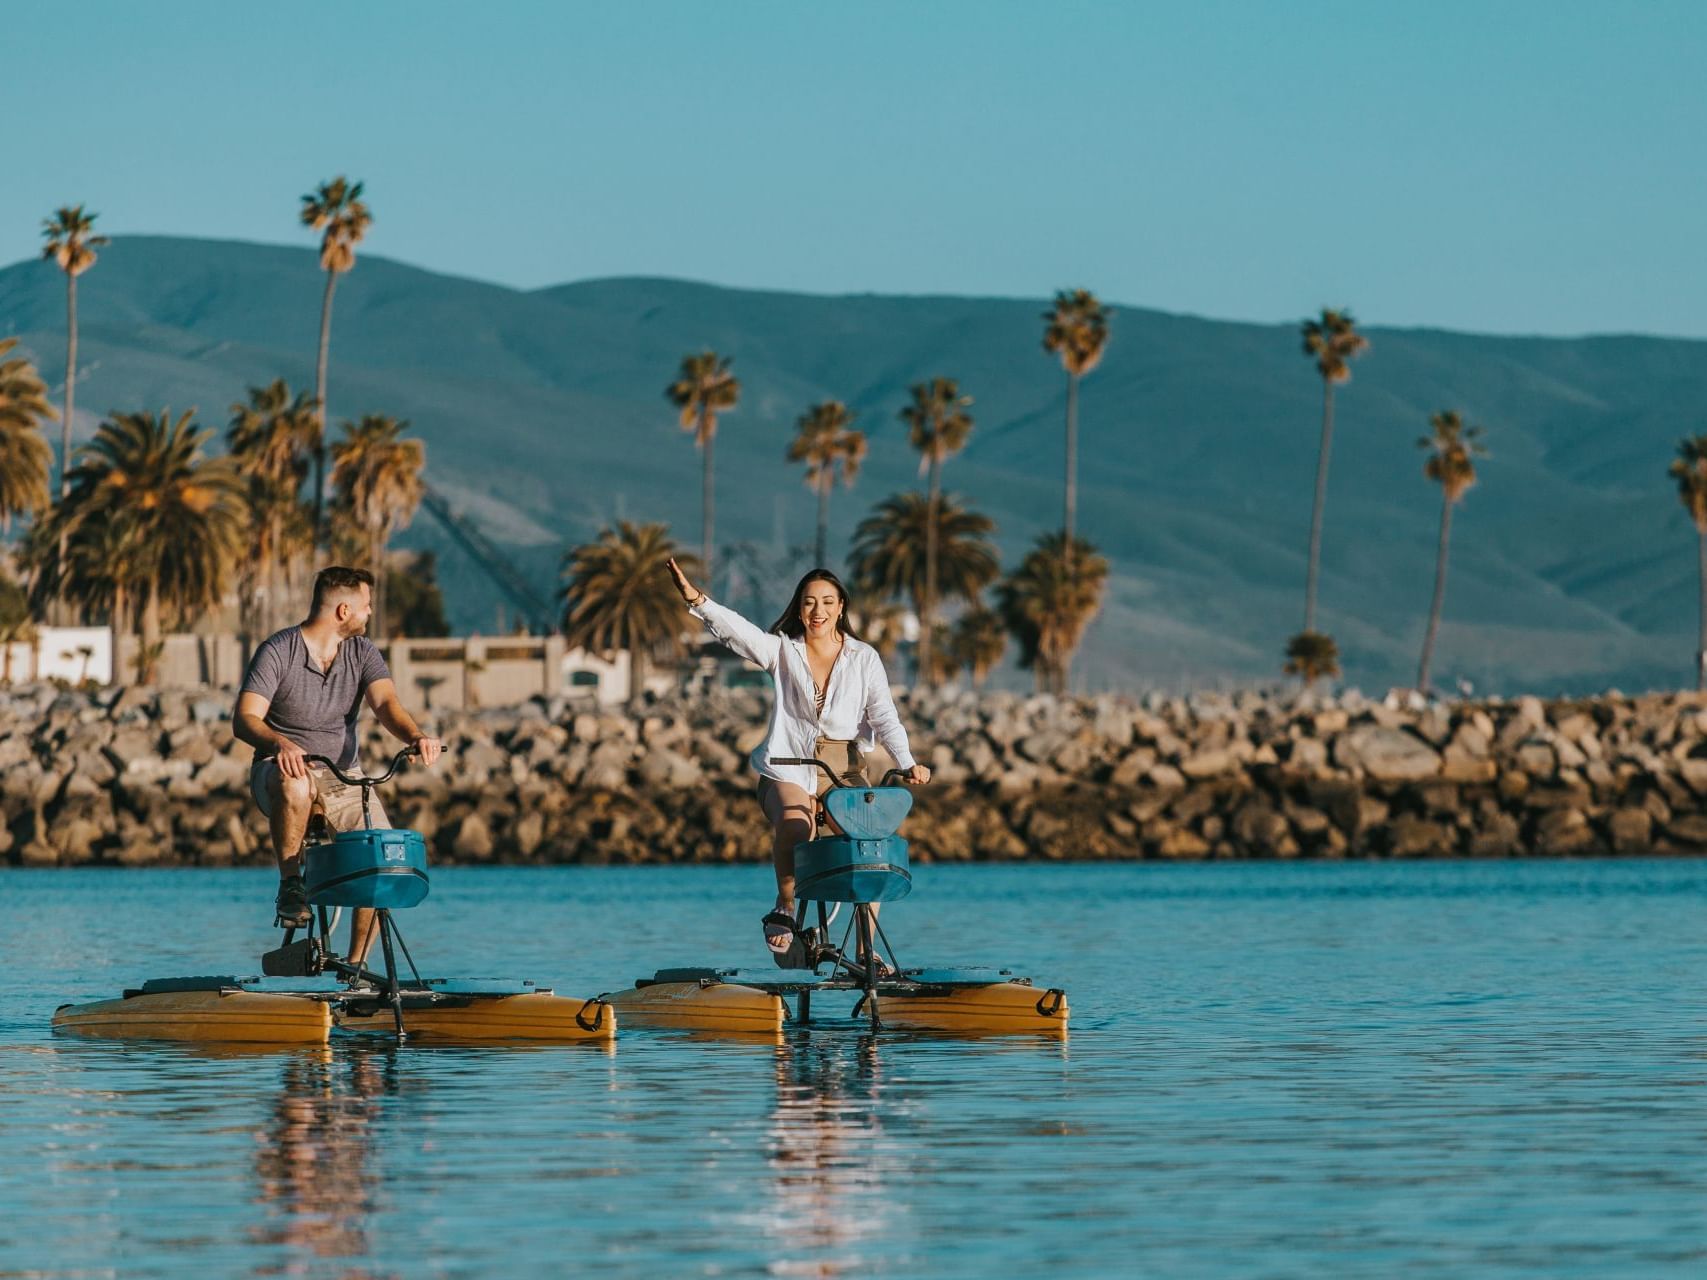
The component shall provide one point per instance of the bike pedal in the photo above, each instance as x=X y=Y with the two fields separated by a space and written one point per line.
x=301 y=959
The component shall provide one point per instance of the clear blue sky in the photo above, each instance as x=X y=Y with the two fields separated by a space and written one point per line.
x=1496 y=165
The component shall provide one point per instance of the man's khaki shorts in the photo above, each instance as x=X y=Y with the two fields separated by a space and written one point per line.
x=341 y=804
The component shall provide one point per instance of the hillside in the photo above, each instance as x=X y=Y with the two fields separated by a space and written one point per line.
x=1573 y=565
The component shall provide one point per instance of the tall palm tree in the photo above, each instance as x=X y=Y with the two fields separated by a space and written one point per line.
x=704 y=388
x=1332 y=341
x=335 y=209
x=376 y=475
x=1453 y=449
x=1312 y=656
x=978 y=641
x=889 y=556
x=71 y=242
x=148 y=516
x=938 y=427
x=1077 y=332
x=617 y=596
x=826 y=443
x=26 y=458
x=271 y=439
x=1689 y=469
x=1049 y=601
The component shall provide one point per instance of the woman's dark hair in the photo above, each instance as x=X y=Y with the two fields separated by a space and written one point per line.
x=790 y=625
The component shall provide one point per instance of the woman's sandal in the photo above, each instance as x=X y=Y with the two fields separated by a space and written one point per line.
x=779 y=932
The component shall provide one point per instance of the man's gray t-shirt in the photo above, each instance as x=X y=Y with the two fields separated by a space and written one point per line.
x=315 y=709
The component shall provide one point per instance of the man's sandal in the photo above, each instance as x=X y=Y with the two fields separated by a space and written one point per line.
x=291 y=906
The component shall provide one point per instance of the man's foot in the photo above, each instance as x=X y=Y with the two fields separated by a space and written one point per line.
x=291 y=906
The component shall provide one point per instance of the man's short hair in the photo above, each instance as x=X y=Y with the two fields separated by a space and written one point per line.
x=335 y=580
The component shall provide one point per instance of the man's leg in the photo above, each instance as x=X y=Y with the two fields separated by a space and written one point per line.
x=288 y=802
x=343 y=808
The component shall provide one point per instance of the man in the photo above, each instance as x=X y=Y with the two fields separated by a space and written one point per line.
x=301 y=697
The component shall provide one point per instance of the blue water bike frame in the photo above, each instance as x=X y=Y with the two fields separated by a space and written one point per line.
x=862 y=863
x=381 y=868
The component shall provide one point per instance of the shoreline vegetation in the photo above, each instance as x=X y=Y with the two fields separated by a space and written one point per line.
x=137 y=776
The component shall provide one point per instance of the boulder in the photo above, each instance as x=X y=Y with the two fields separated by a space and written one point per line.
x=1387 y=755
x=1631 y=830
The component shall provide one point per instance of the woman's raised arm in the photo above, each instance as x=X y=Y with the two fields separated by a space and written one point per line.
x=751 y=642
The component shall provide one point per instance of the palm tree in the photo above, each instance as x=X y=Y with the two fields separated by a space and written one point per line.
x=1077 y=332
x=1453 y=448
x=148 y=515
x=271 y=438
x=1332 y=341
x=937 y=426
x=1049 y=601
x=978 y=641
x=879 y=620
x=334 y=209
x=890 y=558
x=830 y=449
x=1689 y=469
x=616 y=596
x=1312 y=655
x=71 y=242
x=704 y=388
x=377 y=477
x=26 y=459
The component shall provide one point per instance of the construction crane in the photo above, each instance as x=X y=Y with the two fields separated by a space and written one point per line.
x=540 y=616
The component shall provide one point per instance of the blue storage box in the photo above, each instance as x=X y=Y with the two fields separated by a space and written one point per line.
x=842 y=869
x=373 y=867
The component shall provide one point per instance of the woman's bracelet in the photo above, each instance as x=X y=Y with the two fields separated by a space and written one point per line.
x=694 y=604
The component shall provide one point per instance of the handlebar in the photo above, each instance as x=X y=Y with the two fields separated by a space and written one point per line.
x=831 y=773
x=362 y=780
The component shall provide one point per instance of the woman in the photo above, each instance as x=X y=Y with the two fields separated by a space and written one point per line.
x=832 y=699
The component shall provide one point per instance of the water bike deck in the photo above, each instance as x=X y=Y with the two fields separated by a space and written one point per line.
x=947 y=1001
x=229 y=1009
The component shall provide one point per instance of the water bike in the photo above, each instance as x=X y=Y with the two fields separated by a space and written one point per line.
x=856 y=862
x=306 y=990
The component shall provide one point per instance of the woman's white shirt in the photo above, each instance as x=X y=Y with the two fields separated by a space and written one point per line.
x=857 y=703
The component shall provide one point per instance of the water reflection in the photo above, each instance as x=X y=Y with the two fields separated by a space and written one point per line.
x=831 y=1163
x=314 y=1179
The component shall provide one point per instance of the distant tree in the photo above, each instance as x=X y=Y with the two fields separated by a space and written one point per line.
x=617 y=596
x=148 y=516
x=1332 y=341
x=415 y=604
x=938 y=427
x=704 y=388
x=335 y=209
x=16 y=625
x=889 y=556
x=1049 y=601
x=377 y=477
x=1077 y=332
x=1453 y=449
x=828 y=446
x=1312 y=656
x=1689 y=469
x=271 y=439
x=25 y=455
x=978 y=641
x=878 y=620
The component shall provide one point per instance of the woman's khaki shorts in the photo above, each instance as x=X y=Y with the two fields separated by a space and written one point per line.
x=342 y=804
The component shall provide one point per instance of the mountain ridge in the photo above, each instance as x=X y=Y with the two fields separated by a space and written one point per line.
x=1573 y=564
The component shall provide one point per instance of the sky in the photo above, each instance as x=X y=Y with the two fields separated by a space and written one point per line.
x=1502 y=166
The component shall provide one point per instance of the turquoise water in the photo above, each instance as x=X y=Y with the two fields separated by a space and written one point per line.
x=1490 y=1069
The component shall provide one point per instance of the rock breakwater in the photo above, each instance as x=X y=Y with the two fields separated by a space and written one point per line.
x=136 y=776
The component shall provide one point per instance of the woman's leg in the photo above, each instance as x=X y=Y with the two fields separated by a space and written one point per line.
x=792 y=811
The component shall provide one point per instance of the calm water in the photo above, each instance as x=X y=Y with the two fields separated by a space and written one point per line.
x=1466 y=1069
